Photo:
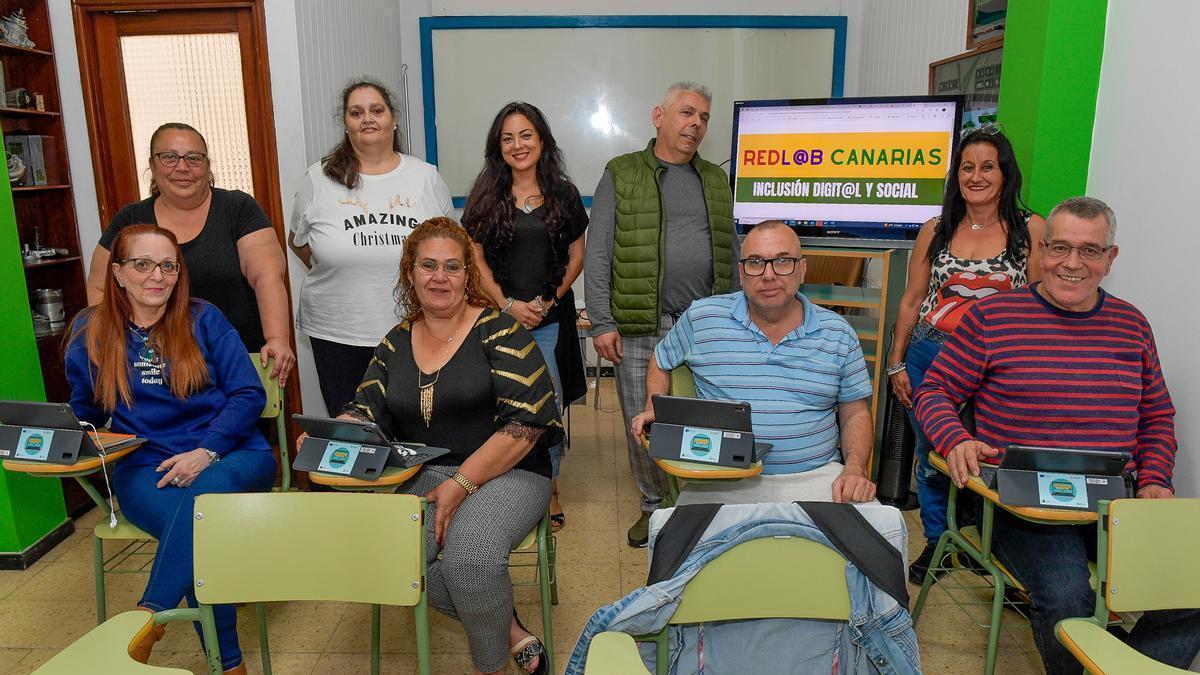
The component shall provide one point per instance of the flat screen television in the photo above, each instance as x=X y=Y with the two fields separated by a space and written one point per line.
x=861 y=168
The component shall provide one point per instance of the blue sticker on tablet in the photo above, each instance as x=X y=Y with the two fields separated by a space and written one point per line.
x=34 y=444
x=700 y=445
x=1062 y=489
x=339 y=457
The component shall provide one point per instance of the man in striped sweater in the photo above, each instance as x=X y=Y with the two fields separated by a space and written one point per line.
x=1061 y=363
x=799 y=366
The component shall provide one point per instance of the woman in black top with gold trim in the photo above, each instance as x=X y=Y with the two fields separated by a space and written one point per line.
x=459 y=374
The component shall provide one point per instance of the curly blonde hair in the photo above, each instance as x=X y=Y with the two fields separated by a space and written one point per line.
x=407 y=306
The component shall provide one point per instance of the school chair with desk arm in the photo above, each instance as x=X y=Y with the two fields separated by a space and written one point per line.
x=1137 y=571
x=540 y=542
x=683 y=383
x=379 y=539
x=754 y=580
x=976 y=543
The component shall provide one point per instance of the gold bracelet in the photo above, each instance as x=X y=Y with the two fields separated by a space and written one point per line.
x=466 y=483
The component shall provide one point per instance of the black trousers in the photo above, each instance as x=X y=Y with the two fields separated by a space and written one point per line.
x=340 y=370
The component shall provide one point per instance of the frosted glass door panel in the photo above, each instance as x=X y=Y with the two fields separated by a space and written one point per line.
x=195 y=79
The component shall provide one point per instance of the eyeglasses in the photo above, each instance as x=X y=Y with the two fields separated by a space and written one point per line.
x=990 y=129
x=146 y=265
x=1057 y=249
x=452 y=268
x=756 y=266
x=171 y=159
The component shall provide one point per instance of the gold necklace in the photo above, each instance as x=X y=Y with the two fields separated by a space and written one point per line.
x=426 y=389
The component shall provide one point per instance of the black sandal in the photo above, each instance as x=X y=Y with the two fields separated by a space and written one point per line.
x=528 y=649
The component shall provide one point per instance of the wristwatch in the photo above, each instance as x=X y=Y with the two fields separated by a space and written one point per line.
x=213 y=457
x=507 y=307
x=895 y=368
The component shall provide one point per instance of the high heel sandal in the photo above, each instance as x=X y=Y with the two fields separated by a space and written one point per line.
x=557 y=520
x=528 y=649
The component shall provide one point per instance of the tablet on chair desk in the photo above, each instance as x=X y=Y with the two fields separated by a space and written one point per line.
x=1061 y=478
x=354 y=449
x=50 y=433
x=705 y=431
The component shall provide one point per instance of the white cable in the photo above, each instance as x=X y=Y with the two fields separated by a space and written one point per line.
x=112 y=511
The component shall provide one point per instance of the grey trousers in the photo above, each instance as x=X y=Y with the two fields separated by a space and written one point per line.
x=631 y=391
x=470 y=581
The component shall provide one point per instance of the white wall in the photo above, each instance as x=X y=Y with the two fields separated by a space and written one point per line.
x=1143 y=165
x=901 y=39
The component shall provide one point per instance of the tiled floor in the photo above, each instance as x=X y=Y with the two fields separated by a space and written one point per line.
x=46 y=607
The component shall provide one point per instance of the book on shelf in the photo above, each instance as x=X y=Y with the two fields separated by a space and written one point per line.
x=31 y=148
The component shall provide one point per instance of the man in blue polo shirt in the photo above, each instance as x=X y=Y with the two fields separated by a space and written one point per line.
x=799 y=366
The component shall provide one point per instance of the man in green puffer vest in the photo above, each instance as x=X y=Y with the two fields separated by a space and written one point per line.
x=661 y=235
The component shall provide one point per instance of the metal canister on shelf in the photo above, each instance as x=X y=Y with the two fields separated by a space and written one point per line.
x=49 y=303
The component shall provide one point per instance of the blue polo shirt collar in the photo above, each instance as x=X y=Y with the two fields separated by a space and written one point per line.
x=741 y=312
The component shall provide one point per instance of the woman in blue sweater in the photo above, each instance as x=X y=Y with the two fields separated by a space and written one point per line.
x=172 y=370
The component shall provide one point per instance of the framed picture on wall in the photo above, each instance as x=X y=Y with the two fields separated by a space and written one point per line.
x=985 y=21
x=975 y=75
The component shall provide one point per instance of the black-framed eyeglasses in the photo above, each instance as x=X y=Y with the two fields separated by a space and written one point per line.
x=781 y=266
x=171 y=159
x=1057 y=249
x=990 y=129
x=146 y=265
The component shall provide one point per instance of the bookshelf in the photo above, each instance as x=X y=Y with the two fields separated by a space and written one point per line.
x=872 y=311
x=43 y=202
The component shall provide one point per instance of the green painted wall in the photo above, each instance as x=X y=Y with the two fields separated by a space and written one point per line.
x=29 y=507
x=1050 y=76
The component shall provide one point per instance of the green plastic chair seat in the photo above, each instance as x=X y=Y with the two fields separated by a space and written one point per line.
x=123 y=530
x=105 y=649
x=614 y=654
x=1100 y=652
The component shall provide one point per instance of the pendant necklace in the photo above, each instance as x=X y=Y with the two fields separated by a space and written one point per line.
x=426 y=388
x=147 y=351
x=527 y=207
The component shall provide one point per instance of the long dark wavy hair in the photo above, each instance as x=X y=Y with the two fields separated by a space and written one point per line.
x=1012 y=209
x=341 y=164
x=491 y=211
x=408 y=307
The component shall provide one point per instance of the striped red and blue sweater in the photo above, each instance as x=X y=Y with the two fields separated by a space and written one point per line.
x=1048 y=377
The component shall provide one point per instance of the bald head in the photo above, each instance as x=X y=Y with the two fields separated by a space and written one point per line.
x=768 y=292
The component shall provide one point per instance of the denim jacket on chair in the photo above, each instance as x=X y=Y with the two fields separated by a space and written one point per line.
x=878 y=638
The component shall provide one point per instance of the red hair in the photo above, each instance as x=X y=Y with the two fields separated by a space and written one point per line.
x=184 y=368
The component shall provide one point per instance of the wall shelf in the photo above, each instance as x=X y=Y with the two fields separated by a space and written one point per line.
x=13 y=49
x=20 y=189
x=27 y=112
x=51 y=262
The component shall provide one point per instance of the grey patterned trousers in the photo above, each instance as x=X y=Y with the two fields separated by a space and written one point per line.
x=470 y=581
x=631 y=391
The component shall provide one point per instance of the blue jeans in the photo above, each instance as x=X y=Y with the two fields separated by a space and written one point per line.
x=546 y=338
x=933 y=487
x=166 y=513
x=1052 y=562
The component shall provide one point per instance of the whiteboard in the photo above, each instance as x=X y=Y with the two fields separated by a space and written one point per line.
x=597 y=79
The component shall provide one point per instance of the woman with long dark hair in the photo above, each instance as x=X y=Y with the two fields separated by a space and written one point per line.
x=980 y=245
x=352 y=214
x=527 y=221
x=174 y=371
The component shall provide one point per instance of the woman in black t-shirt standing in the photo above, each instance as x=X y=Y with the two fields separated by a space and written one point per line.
x=527 y=221
x=230 y=248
